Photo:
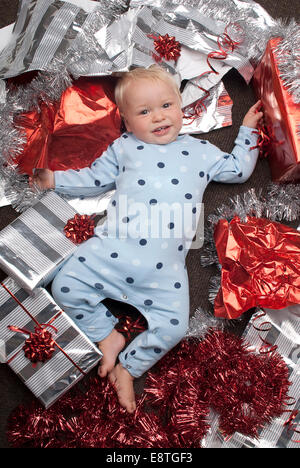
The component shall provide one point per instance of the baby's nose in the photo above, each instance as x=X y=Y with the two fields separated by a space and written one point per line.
x=158 y=115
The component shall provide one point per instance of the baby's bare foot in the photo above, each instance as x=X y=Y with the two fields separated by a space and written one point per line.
x=122 y=381
x=110 y=347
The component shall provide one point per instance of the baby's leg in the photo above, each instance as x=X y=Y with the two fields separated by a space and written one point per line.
x=123 y=383
x=165 y=330
x=110 y=346
x=76 y=292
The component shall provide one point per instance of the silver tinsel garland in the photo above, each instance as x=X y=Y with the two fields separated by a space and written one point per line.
x=288 y=53
x=83 y=52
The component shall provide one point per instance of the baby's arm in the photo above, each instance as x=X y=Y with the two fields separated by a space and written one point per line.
x=98 y=178
x=238 y=166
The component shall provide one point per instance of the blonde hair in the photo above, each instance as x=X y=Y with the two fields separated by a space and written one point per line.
x=154 y=72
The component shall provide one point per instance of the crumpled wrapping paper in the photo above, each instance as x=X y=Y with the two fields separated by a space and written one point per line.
x=72 y=132
x=260 y=266
x=95 y=39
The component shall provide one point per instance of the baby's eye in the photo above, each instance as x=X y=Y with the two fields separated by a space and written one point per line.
x=166 y=105
x=144 y=112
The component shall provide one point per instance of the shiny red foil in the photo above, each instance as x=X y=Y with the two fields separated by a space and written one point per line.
x=282 y=117
x=260 y=266
x=73 y=132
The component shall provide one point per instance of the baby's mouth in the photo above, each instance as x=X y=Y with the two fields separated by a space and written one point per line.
x=161 y=130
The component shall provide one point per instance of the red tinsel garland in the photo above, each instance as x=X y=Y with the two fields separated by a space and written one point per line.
x=246 y=389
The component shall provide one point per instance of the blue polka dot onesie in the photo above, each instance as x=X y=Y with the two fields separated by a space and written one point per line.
x=138 y=254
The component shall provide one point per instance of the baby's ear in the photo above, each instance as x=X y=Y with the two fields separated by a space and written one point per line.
x=123 y=126
x=125 y=123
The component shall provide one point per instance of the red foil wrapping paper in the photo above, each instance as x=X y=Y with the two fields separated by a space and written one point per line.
x=260 y=266
x=73 y=132
x=282 y=118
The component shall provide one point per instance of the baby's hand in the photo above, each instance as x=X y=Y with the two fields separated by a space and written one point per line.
x=253 y=116
x=42 y=179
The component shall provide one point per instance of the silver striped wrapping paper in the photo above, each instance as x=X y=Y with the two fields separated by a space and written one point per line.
x=34 y=246
x=48 y=29
x=50 y=380
x=43 y=29
x=126 y=43
x=284 y=332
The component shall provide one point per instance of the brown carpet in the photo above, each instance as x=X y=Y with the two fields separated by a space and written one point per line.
x=12 y=391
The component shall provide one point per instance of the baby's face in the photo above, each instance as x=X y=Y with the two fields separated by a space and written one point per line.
x=152 y=111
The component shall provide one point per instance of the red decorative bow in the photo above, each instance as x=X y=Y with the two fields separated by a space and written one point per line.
x=166 y=46
x=80 y=228
x=40 y=345
x=266 y=137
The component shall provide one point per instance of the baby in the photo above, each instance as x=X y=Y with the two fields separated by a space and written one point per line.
x=151 y=167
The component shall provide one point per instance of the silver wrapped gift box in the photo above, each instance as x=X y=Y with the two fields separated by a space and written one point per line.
x=74 y=354
x=34 y=246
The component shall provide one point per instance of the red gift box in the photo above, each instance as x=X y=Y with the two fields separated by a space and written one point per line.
x=282 y=118
x=72 y=132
